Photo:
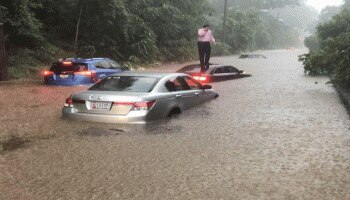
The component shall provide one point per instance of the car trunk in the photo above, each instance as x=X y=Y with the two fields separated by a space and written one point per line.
x=110 y=103
x=68 y=71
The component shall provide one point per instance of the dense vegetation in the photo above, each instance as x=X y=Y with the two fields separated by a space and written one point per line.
x=330 y=49
x=135 y=31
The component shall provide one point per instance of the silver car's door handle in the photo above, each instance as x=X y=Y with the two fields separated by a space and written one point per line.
x=178 y=96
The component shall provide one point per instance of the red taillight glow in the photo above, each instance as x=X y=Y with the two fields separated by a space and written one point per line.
x=47 y=73
x=69 y=102
x=67 y=63
x=200 y=78
x=145 y=105
x=84 y=73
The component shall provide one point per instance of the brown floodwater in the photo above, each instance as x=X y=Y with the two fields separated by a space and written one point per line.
x=275 y=135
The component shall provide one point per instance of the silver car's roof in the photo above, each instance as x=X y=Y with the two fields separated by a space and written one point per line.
x=147 y=74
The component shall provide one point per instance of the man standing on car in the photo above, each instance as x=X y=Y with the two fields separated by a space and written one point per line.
x=205 y=37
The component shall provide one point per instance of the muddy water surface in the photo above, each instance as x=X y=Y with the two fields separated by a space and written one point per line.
x=276 y=135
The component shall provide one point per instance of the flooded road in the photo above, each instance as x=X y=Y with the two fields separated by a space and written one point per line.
x=275 y=135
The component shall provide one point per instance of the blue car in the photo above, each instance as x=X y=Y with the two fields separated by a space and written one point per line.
x=77 y=71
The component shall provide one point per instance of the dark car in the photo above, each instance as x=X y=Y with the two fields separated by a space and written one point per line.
x=215 y=72
x=77 y=71
x=245 y=56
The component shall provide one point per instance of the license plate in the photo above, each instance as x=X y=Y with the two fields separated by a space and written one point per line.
x=64 y=76
x=100 y=105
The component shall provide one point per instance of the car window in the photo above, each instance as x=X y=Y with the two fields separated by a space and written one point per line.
x=59 y=67
x=192 y=84
x=114 y=65
x=102 y=64
x=219 y=70
x=230 y=69
x=175 y=84
x=126 y=84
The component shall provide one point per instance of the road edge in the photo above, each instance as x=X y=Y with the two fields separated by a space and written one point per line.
x=345 y=96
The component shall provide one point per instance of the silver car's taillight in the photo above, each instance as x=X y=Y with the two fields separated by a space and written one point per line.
x=137 y=106
x=145 y=105
x=69 y=102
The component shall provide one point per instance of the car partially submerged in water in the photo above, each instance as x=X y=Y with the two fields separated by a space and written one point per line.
x=79 y=71
x=214 y=73
x=137 y=98
x=251 y=56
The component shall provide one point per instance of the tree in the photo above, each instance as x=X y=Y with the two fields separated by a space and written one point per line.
x=328 y=12
x=23 y=26
x=333 y=57
x=254 y=4
x=242 y=27
x=3 y=57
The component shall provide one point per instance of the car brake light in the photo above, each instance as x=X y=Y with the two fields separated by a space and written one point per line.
x=69 y=102
x=67 y=63
x=200 y=78
x=47 y=73
x=85 y=73
x=146 y=105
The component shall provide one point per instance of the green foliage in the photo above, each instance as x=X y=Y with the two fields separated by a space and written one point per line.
x=136 y=32
x=241 y=29
x=328 y=12
x=115 y=28
x=333 y=57
x=221 y=49
x=312 y=42
x=24 y=62
x=246 y=5
x=263 y=39
x=21 y=63
x=24 y=26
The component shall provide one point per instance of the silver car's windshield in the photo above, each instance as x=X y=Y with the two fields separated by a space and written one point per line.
x=126 y=84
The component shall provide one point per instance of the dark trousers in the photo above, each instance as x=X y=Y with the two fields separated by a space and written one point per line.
x=204 y=50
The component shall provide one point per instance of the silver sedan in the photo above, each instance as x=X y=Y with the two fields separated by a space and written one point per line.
x=137 y=98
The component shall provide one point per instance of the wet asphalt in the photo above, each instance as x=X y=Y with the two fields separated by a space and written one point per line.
x=275 y=135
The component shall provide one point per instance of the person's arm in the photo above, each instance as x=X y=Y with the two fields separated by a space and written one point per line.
x=201 y=32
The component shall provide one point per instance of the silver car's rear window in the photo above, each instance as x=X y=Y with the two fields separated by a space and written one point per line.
x=126 y=84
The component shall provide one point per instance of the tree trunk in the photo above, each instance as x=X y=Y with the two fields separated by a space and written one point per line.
x=224 y=23
x=77 y=31
x=3 y=60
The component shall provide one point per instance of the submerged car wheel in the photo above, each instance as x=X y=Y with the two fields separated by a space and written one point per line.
x=174 y=112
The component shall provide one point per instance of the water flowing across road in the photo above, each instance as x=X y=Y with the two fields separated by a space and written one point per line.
x=275 y=135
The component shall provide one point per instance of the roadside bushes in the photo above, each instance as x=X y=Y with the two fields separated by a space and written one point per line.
x=333 y=56
x=312 y=42
x=221 y=49
x=24 y=62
